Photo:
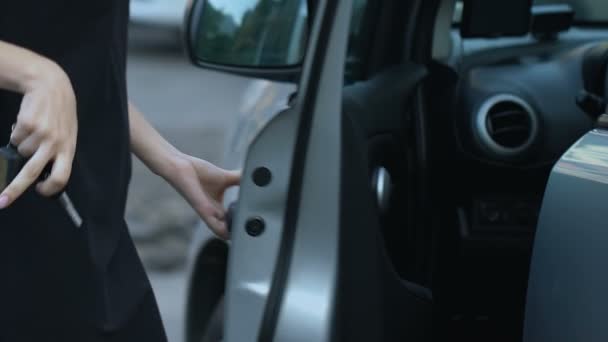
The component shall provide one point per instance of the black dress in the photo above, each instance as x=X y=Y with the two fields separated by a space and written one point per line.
x=58 y=282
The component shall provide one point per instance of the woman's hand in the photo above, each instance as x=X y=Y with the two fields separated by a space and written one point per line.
x=203 y=185
x=45 y=132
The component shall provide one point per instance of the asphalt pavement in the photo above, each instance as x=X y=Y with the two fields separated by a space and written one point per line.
x=193 y=109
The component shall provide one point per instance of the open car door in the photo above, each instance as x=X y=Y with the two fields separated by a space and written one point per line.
x=283 y=264
x=307 y=259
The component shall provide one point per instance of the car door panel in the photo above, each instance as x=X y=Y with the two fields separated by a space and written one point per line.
x=375 y=304
x=252 y=259
x=382 y=109
x=320 y=270
x=377 y=105
x=281 y=283
x=308 y=307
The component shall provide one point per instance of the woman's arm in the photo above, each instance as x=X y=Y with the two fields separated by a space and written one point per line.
x=150 y=147
x=46 y=127
x=201 y=183
x=19 y=67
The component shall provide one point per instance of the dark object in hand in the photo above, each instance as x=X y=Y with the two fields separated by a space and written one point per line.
x=10 y=165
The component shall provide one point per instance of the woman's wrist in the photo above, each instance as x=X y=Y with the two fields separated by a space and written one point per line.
x=162 y=158
x=40 y=72
x=173 y=165
x=22 y=70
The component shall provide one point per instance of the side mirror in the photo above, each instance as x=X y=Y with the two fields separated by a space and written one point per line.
x=256 y=38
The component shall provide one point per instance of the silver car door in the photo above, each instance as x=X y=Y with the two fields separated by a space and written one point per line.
x=284 y=253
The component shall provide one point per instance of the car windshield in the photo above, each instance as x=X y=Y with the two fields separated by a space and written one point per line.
x=586 y=11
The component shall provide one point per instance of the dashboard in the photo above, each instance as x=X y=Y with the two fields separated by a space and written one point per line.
x=504 y=110
x=514 y=113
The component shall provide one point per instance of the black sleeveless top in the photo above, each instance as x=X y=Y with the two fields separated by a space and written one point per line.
x=87 y=39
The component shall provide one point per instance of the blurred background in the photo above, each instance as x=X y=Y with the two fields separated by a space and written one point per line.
x=194 y=109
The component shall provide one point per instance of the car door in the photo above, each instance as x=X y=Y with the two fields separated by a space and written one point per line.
x=307 y=259
x=289 y=205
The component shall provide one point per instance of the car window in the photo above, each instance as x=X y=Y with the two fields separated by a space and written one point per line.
x=271 y=33
x=586 y=11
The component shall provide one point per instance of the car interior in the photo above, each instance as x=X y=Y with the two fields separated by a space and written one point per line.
x=455 y=114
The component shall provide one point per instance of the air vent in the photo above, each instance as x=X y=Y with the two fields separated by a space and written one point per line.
x=506 y=124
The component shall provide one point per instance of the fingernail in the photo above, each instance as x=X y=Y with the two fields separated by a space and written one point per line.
x=3 y=201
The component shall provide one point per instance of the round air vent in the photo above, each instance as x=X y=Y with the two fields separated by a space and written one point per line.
x=506 y=124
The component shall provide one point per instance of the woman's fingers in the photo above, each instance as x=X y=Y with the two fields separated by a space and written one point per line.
x=233 y=178
x=209 y=210
x=28 y=147
x=20 y=133
x=203 y=185
x=216 y=220
x=206 y=208
x=46 y=130
x=26 y=177
x=58 y=179
x=218 y=226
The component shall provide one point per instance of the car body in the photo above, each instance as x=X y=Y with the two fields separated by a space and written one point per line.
x=450 y=152
x=207 y=260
